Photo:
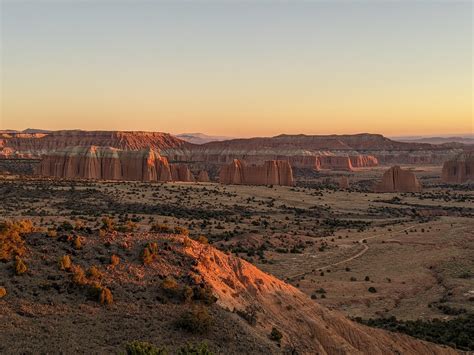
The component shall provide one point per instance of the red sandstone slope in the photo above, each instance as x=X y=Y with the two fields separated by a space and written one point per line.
x=306 y=326
x=274 y=172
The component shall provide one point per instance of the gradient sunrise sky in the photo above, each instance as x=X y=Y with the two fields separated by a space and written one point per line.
x=238 y=68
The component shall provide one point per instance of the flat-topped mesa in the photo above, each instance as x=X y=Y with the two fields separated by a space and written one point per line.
x=106 y=163
x=42 y=144
x=459 y=169
x=203 y=176
x=273 y=172
x=396 y=179
x=180 y=172
x=335 y=162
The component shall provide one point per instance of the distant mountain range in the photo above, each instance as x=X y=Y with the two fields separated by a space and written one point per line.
x=201 y=138
x=464 y=139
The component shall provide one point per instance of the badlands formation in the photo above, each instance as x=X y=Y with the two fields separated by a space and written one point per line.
x=274 y=172
x=397 y=179
x=460 y=169
x=108 y=155
x=111 y=164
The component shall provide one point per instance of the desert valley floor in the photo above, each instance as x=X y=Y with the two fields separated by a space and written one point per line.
x=367 y=255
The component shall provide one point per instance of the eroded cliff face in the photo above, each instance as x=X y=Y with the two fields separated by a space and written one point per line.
x=397 y=179
x=306 y=326
x=337 y=152
x=180 y=172
x=37 y=145
x=459 y=169
x=105 y=163
x=274 y=172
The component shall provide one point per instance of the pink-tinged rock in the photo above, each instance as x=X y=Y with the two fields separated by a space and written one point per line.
x=363 y=161
x=343 y=182
x=459 y=169
x=203 y=176
x=180 y=172
x=274 y=172
x=396 y=179
x=335 y=162
x=106 y=163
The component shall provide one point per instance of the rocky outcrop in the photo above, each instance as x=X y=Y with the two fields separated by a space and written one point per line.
x=105 y=163
x=274 y=172
x=363 y=161
x=334 y=162
x=203 y=176
x=309 y=327
x=459 y=169
x=180 y=172
x=396 y=179
x=338 y=152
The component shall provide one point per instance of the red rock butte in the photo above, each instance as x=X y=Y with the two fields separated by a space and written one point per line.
x=459 y=169
x=396 y=179
x=274 y=172
x=108 y=163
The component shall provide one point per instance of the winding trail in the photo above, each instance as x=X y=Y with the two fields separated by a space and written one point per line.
x=355 y=256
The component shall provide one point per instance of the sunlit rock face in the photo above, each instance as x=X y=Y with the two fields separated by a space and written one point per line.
x=273 y=172
x=459 y=169
x=106 y=163
x=397 y=179
x=180 y=172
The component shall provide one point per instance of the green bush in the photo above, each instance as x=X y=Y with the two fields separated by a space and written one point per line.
x=199 y=349
x=144 y=348
x=195 y=320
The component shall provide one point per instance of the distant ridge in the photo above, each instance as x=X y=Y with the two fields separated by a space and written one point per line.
x=201 y=138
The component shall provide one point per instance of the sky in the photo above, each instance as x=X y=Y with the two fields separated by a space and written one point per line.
x=238 y=68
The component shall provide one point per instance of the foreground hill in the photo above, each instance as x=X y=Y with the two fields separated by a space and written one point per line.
x=85 y=291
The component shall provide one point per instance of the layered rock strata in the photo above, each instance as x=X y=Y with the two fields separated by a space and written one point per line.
x=397 y=179
x=274 y=172
x=459 y=169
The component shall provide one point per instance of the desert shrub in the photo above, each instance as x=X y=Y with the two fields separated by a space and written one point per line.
x=161 y=228
x=372 y=289
x=65 y=227
x=20 y=266
x=52 y=233
x=187 y=242
x=203 y=240
x=78 y=275
x=128 y=226
x=170 y=286
x=198 y=349
x=114 y=260
x=65 y=263
x=204 y=293
x=188 y=294
x=149 y=253
x=108 y=224
x=79 y=225
x=181 y=230
x=275 y=334
x=106 y=296
x=11 y=241
x=3 y=292
x=195 y=320
x=456 y=332
x=144 y=348
x=77 y=243
x=94 y=273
